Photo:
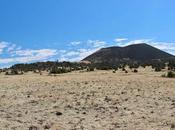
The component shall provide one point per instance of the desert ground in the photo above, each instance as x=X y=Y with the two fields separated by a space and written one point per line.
x=99 y=100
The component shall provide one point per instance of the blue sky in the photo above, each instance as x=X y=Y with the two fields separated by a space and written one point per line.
x=41 y=30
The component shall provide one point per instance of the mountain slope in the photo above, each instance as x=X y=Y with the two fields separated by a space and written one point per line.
x=136 y=52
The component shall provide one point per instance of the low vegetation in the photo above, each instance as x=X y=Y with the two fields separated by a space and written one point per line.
x=169 y=74
x=90 y=69
x=14 y=72
x=66 y=67
x=135 y=71
x=158 y=69
x=56 y=70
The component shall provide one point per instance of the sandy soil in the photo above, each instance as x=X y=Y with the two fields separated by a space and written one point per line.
x=99 y=100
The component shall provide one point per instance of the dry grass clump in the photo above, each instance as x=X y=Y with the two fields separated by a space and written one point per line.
x=14 y=72
x=158 y=69
x=170 y=74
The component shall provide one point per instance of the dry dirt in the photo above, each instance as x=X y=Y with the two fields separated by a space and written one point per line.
x=99 y=100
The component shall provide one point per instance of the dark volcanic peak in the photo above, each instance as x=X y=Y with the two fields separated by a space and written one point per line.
x=134 y=52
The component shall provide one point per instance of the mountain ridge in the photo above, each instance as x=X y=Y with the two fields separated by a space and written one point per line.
x=135 y=52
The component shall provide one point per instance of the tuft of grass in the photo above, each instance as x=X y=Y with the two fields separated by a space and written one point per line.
x=163 y=75
x=170 y=74
x=158 y=69
x=14 y=72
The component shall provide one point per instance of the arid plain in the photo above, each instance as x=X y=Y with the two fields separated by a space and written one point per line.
x=99 y=100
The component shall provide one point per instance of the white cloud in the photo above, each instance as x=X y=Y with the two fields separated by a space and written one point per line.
x=89 y=47
x=8 y=46
x=3 y=45
x=77 y=55
x=134 y=42
x=165 y=46
x=15 y=54
x=86 y=52
x=139 y=41
x=71 y=53
x=44 y=52
x=11 y=48
x=23 y=56
x=96 y=43
x=61 y=51
x=75 y=43
x=120 y=39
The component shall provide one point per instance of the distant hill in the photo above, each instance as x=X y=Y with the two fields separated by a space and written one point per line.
x=136 y=52
x=109 y=58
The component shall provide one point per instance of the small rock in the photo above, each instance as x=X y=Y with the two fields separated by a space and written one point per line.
x=33 y=128
x=172 y=125
x=59 y=113
x=47 y=126
x=19 y=115
x=84 y=113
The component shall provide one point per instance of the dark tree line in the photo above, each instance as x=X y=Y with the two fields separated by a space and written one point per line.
x=55 y=67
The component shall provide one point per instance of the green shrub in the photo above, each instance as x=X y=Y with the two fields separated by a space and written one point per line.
x=170 y=74
x=56 y=70
x=158 y=69
x=123 y=69
x=14 y=72
x=135 y=71
x=90 y=69
x=6 y=73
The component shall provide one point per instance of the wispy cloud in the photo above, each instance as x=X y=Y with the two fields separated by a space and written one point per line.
x=43 y=52
x=80 y=52
x=96 y=43
x=8 y=47
x=23 y=56
x=13 y=53
x=123 y=43
x=77 y=55
x=11 y=48
x=71 y=53
x=2 y=46
x=75 y=43
x=165 y=46
x=120 y=39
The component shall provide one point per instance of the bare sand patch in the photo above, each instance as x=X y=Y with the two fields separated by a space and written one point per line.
x=99 y=100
